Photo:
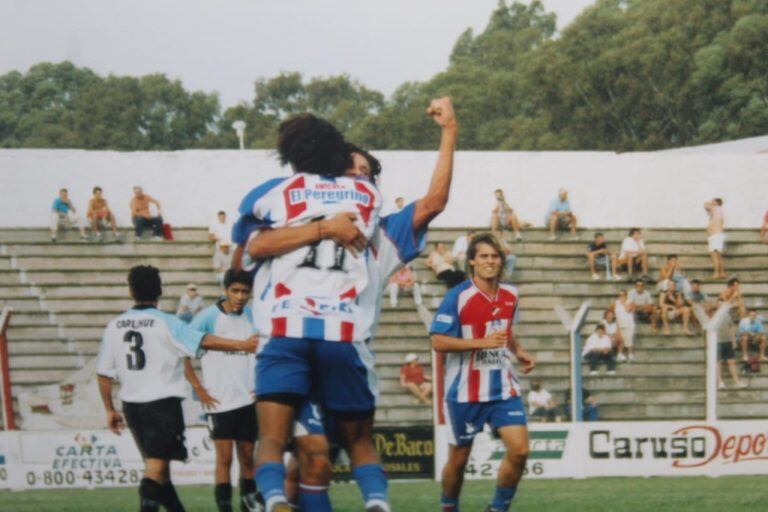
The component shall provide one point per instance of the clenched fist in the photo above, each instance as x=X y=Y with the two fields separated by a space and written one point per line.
x=441 y=110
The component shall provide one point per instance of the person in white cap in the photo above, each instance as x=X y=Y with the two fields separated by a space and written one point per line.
x=413 y=379
x=190 y=303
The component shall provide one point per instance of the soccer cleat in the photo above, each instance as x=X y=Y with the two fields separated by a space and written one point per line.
x=375 y=508
x=251 y=503
x=491 y=509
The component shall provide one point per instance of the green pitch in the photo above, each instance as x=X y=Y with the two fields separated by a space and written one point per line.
x=699 y=494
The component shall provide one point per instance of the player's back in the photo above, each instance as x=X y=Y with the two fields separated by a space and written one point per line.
x=144 y=349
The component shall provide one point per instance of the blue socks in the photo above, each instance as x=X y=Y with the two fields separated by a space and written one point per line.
x=449 y=504
x=314 y=498
x=269 y=480
x=502 y=498
x=373 y=485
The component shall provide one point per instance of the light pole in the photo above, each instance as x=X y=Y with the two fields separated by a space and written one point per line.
x=239 y=127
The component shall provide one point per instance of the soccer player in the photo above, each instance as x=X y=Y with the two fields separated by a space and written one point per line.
x=144 y=349
x=473 y=327
x=227 y=390
x=402 y=240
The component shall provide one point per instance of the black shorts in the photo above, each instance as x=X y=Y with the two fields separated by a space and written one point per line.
x=236 y=425
x=725 y=351
x=157 y=428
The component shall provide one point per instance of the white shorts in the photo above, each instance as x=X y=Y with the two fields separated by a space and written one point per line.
x=628 y=335
x=716 y=242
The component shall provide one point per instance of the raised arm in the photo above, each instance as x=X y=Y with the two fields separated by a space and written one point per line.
x=213 y=342
x=436 y=198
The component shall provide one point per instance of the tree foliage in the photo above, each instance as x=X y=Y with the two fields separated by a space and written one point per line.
x=624 y=75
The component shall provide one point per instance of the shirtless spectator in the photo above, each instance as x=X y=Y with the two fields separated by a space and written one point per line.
x=751 y=333
x=441 y=263
x=503 y=216
x=459 y=250
x=404 y=281
x=64 y=212
x=99 y=212
x=598 y=253
x=732 y=296
x=671 y=271
x=220 y=229
x=413 y=379
x=633 y=254
x=672 y=305
x=625 y=317
x=612 y=331
x=645 y=308
x=141 y=216
x=716 y=236
x=560 y=216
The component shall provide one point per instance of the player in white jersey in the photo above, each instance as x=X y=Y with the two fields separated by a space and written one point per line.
x=400 y=239
x=227 y=390
x=473 y=327
x=144 y=349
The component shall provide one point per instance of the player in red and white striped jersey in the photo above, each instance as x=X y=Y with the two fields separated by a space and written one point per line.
x=473 y=327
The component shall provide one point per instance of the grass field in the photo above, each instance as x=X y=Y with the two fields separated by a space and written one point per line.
x=695 y=494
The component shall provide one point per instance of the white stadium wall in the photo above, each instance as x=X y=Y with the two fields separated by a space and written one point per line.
x=662 y=189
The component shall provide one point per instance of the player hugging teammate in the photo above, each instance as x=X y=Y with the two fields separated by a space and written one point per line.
x=321 y=254
x=473 y=328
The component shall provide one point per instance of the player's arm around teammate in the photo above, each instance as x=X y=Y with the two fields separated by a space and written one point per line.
x=144 y=348
x=473 y=326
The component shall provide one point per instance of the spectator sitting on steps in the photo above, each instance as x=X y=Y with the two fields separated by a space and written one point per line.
x=190 y=303
x=612 y=331
x=503 y=216
x=403 y=280
x=442 y=264
x=599 y=349
x=222 y=260
x=413 y=379
x=141 y=216
x=645 y=308
x=598 y=253
x=560 y=216
x=99 y=212
x=671 y=271
x=64 y=212
x=590 y=408
x=752 y=334
x=541 y=404
x=671 y=306
x=633 y=254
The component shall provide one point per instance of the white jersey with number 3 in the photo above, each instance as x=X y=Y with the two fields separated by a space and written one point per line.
x=144 y=349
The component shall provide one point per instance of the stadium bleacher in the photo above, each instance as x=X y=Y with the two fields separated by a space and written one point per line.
x=64 y=293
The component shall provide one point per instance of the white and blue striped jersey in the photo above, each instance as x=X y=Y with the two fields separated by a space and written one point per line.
x=227 y=376
x=144 y=349
x=312 y=292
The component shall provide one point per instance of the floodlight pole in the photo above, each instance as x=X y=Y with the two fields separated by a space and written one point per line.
x=712 y=326
x=239 y=127
x=573 y=326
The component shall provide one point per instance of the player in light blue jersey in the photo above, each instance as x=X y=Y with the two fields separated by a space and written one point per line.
x=144 y=349
x=227 y=390
x=400 y=239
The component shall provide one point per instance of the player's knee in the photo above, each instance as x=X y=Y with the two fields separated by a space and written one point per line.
x=316 y=467
x=518 y=456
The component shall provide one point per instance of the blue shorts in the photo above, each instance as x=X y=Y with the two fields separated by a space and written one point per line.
x=468 y=419
x=339 y=375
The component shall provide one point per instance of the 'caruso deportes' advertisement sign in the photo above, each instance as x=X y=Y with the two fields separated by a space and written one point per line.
x=582 y=450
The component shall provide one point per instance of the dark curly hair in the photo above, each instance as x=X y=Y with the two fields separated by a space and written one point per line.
x=373 y=162
x=312 y=145
x=145 y=283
